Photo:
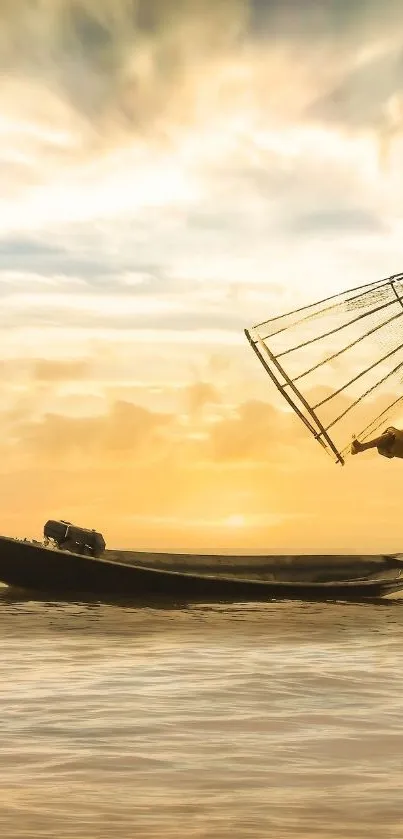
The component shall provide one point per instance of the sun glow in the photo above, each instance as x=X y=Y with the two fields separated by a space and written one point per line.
x=235 y=521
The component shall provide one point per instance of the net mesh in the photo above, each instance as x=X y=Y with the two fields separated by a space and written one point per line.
x=339 y=362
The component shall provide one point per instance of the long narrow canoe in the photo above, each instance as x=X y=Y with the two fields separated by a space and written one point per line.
x=32 y=566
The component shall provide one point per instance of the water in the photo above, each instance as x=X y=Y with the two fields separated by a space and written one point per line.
x=282 y=720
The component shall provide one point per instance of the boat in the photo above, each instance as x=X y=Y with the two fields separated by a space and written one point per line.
x=150 y=577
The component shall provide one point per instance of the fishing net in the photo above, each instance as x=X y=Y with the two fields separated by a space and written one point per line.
x=338 y=363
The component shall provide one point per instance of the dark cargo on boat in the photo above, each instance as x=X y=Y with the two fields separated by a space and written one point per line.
x=68 y=537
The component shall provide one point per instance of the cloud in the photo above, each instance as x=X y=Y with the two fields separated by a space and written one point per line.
x=250 y=432
x=131 y=309
x=130 y=469
x=121 y=66
x=323 y=21
x=49 y=370
x=344 y=222
x=89 y=74
x=200 y=395
x=31 y=256
x=100 y=72
x=126 y=430
x=256 y=432
x=361 y=98
x=109 y=112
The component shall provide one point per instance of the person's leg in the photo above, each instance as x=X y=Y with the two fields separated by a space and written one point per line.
x=383 y=439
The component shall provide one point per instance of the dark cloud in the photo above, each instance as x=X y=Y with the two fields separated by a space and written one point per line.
x=135 y=65
x=345 y=221
x=86 y=259
x=146 y=67
x=21 y=246
x=29 y=258
x=359 y=100
x=123 y=65
x=356 y=49
x=324 y=19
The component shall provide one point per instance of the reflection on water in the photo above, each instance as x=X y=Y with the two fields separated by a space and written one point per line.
x=281 y=720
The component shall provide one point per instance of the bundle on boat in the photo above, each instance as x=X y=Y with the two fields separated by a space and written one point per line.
x=338 y=362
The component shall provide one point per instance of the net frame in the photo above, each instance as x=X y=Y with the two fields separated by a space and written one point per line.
x=287 y=386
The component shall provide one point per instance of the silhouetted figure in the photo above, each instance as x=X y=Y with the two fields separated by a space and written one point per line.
x=389 y=444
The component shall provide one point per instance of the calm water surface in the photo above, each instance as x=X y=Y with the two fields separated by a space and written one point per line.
x=283 y=720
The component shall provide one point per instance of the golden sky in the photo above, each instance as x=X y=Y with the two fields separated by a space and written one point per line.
x=173 y=171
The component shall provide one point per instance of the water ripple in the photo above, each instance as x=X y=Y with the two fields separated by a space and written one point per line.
x=245 y=720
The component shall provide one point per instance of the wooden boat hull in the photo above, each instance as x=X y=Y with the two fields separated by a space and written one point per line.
x=30 y=566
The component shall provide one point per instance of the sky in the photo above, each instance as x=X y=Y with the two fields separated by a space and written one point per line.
x=172 y=172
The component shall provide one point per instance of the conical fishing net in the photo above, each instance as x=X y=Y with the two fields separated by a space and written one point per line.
x=339 y=362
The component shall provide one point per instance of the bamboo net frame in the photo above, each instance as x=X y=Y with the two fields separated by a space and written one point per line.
x=338 y=362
